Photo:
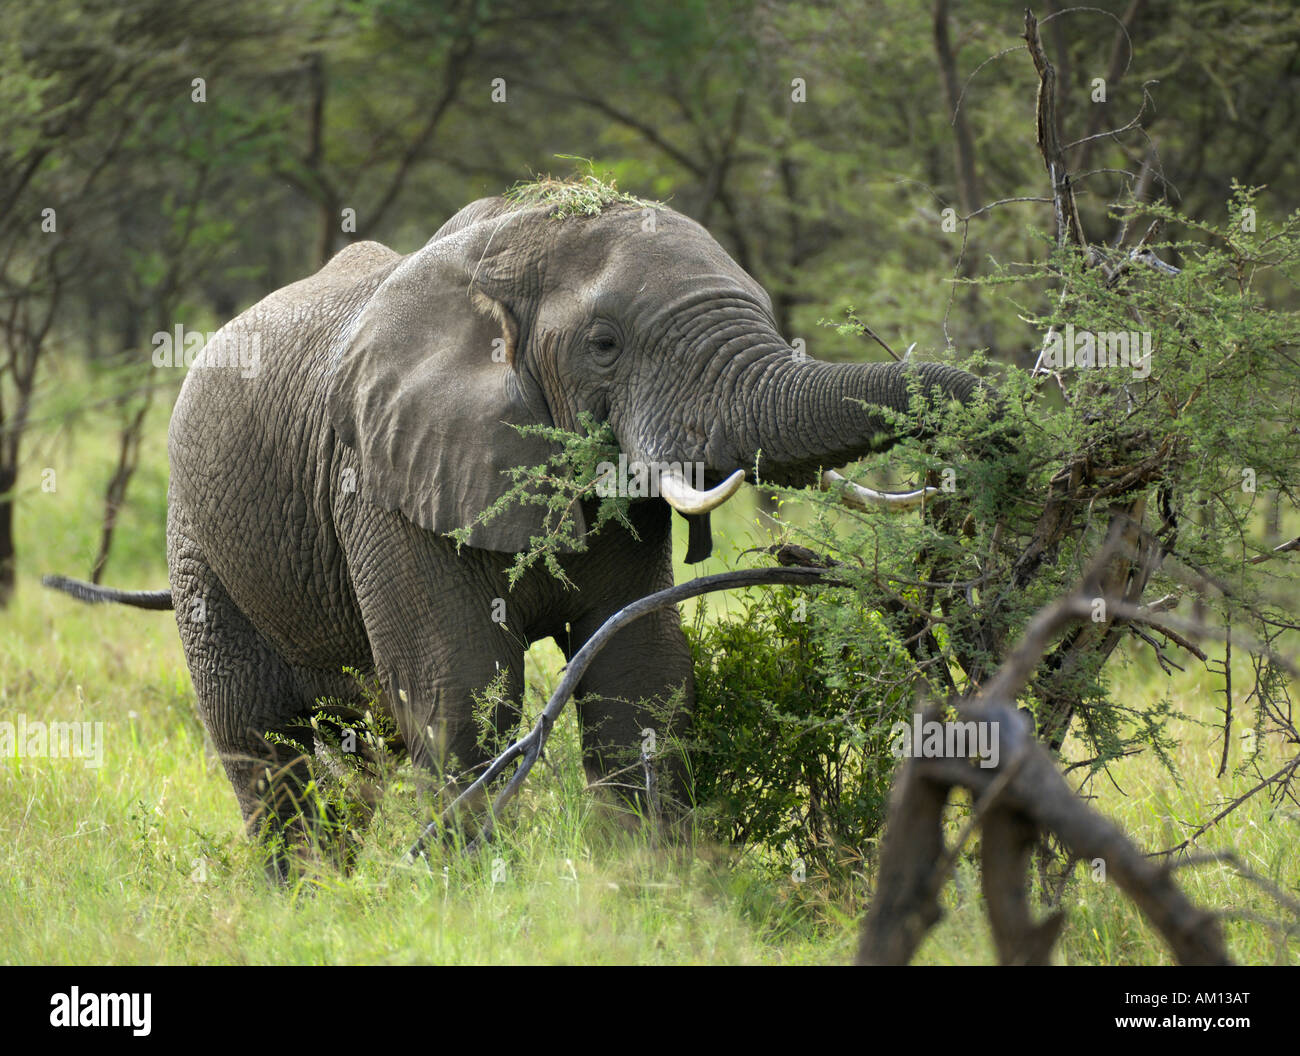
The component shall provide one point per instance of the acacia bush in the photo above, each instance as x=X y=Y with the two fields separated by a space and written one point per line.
x=1187 y=461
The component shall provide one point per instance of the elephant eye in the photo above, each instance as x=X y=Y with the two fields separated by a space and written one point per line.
x=603 y=342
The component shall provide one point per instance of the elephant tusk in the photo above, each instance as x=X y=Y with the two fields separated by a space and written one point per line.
x=865 y=499
x=685 y=499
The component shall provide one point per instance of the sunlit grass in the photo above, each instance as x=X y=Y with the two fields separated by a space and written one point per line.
x=143 y=860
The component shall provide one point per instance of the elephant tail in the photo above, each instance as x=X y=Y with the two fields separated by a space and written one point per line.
x=93 y=594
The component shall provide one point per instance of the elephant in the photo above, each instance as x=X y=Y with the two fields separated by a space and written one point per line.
x=314 y=484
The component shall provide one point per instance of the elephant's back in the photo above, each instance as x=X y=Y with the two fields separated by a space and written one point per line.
x=251 y=452
x=283 y=342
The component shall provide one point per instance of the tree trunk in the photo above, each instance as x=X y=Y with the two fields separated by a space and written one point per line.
x=8 y=478
x=128 y=458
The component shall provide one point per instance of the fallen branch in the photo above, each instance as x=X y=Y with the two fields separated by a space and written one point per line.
x=528 y=748
x=1018 y=801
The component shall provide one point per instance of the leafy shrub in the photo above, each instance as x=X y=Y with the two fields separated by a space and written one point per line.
x=790 y=745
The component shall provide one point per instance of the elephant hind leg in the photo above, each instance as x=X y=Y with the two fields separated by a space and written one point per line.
x=254 y=707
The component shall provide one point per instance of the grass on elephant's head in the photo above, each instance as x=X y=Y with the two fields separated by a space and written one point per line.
x=582 y=195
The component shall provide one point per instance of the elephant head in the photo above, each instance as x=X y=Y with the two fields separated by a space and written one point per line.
x=515 y=314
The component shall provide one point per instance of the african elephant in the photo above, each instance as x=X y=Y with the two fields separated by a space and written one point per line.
x=311 y=497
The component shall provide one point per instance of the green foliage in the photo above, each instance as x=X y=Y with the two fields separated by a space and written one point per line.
x=168 y=207
x=567 y=480
x=350 y=756
x=144 y=861
x=192 y=210
x=791 y=715
x=790 y=745
x=491 y=704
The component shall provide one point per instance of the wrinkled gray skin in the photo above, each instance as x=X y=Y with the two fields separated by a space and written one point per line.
x=307 y=502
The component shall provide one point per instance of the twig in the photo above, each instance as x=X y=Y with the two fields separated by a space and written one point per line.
x=1166 y=665
x=1227 y=695
x=876 y=337
x=1230 y=857
x=1294 y=544
x=1169 y=633
x=1287 y=770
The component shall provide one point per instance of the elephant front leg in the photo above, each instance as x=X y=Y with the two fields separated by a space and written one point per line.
x=453 y=715
x=454 y=692
x=441 y=636
x=634 y=705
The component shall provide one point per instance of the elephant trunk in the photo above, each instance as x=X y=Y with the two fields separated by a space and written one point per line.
x=810 y=415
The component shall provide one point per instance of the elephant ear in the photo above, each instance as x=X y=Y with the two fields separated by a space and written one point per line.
x=425 y=389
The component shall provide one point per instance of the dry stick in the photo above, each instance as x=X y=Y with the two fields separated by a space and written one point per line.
x=1013 y=674
x=1284 y=931
x=1166 y=665
x=1192 y=933
x=1070 y=227
x=528 y=748
x=986 y=802
x=1227 y=694
x=1009 y=839
x=878 y=339
x=1294 y=544
x=1173 y=636
x=1286 y=771
x=1285 y=899
x=906 y=905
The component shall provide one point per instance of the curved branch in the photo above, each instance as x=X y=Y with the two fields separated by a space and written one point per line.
x=529 y=747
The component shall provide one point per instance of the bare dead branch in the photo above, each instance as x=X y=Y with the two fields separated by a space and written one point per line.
x=1230 y=857
x=1285 y=548
x=1036 y=800
x=1070 y=227
x=528 y=748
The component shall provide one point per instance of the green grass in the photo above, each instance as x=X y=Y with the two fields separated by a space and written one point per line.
x=143 y=860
